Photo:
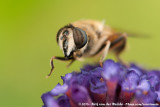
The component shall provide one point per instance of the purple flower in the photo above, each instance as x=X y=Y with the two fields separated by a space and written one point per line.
x=59 y=89
x=157 y=89
x=112 y=83
x=78 y=94
x=153 y=77
x=146 y=98
x=63 y=101
x=144 y=85
x=137 y=69
x=113 y=71
x=96 y=86
x=130 y=81
x=49 y=101
x=66 y=78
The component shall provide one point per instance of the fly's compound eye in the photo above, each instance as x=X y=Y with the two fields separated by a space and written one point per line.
x=80 y=37
x=65 y=33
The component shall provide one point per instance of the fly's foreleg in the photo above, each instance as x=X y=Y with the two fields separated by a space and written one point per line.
x=58 y=58
x=70 y=63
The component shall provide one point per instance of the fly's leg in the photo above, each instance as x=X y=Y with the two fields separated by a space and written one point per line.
x=58 y=58
x=73 y=60
x=118 y=45
x=105 y=52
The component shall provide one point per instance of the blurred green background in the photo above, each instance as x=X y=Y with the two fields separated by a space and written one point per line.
x=27 y=41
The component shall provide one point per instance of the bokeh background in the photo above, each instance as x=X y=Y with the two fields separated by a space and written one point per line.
x=27 y=41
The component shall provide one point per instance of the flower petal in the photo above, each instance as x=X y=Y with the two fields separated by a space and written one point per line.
x=66 y=78
x=147 y=98
x=63 y=101
x=59 y=89
x=144 y=85
x=157 y=89
x=78 y=95
x=49 y=101
x=153 y=78
x=130 y=82
x=113 y=71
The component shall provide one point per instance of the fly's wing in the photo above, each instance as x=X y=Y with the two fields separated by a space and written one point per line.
x=133 y=34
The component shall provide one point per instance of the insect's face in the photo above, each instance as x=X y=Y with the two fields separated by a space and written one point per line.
x=66 y=41
x=71 y=39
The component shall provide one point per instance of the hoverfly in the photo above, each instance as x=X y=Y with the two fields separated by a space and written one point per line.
x=88 y=38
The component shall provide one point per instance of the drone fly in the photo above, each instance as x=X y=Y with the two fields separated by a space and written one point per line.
x=88 y=38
